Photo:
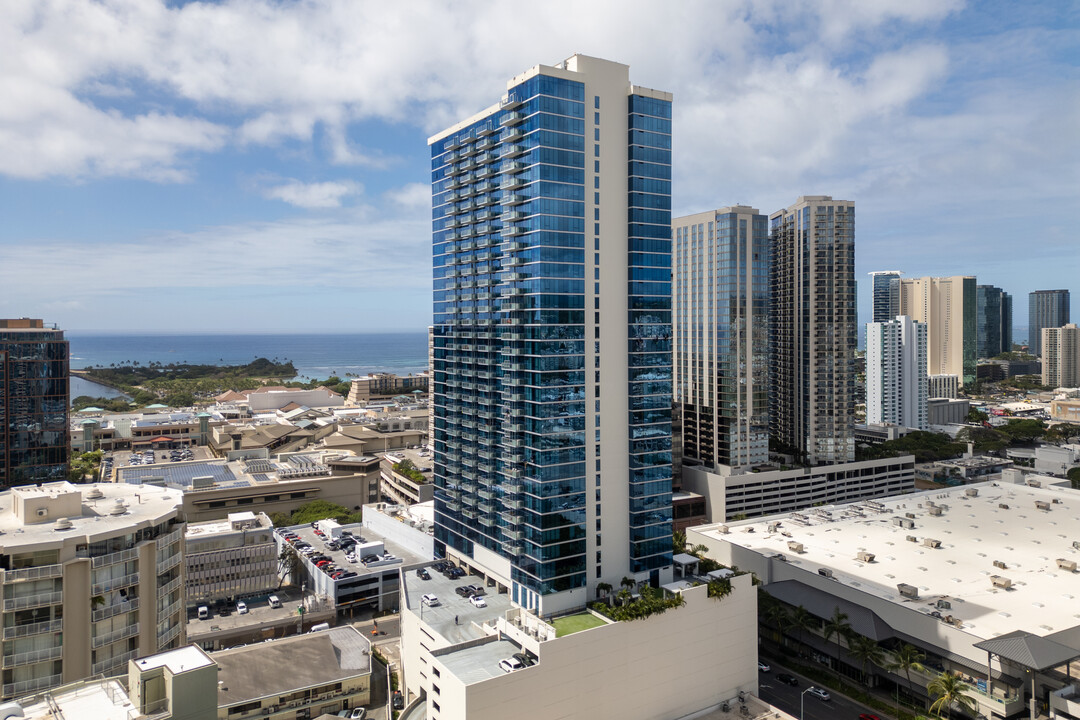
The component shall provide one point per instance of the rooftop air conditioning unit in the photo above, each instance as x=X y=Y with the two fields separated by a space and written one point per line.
x=1042 y=505
x=43 y=512
x=1076 y=544
x=912 y=538
x=931 y=543
x=908 y=591
x=724 y=530
x=1034 y=483
x=972 y=492
x=936 y=511
x=943 y=604
x=999 y=581
x=773 y=526
x=910 y=515
x=825 y=572
x=863 y=556
x=1003 y=506
x=1064 y=564
x=795 y=547
x=1001 y=565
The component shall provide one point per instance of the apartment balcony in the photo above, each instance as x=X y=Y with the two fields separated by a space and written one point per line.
x=512 y=118
x=515 y=534
x=512 y=135
x=116 y=661
x=512 y=230
x=486 y=521
x=512 y=183
x=470 y=514
x=114 y=610
x=513 y=150
x=105 y=586
x=170 y=586
x=35 y=573
x=33 y=601
x=169 y=635
x=485 y=493
x=28 y=686
x=34 y=656
x=514 y=549
x=39 y=628
x=121 y=634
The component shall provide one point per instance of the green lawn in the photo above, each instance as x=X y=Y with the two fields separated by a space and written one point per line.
x=576 y=623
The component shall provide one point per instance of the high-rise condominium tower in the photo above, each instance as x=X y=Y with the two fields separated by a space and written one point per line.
x=722 y=335
x=812 y=322
x=1046 y=309
x=33 y=403
x=552 y=333
x=993 y=320
x=947 y=306
x=886 y=294
x=896 y=386
x=1061 y=356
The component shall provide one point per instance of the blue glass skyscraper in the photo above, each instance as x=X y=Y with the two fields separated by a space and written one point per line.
x=552 y=334
x=886 y=288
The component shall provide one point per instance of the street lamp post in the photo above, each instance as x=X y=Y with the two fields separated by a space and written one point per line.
x=802 y=701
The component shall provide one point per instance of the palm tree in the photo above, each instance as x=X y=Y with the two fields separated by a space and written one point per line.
x=907 y=658
x=800 y=621
x=603 y=589
x=868 y=652
x=837 y=625
x=678 y=541
x=777 y=616
x=949 y=690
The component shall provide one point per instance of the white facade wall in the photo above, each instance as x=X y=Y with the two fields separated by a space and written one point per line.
x=1061 y=356
x=668 y=666
x=896 y=381
x=280 y=398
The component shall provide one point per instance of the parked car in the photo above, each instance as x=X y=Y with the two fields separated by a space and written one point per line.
x=868 y=716
x=430 y=600
x=788 y=679
x=354 y=714
x=762 y=667
x=398 y=701
x=510 y=664
x=241 y=607
x=819 y=693
x=463 y=590
x=478 y=601
x=423 y=574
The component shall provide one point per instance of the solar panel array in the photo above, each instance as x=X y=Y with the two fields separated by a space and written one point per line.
x=180 y=475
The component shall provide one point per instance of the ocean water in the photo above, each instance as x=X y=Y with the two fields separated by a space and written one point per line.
x=315 y=356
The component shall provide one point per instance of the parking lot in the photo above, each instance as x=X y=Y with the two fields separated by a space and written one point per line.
x=126 y=458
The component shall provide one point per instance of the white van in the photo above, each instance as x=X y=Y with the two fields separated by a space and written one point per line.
x=274 y=602
x=204 y=612
x=320 y=627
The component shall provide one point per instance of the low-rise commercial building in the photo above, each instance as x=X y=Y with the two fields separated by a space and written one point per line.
x=980 y=578
x=768 y=490
x=231 y=558
x=375 y=385
x=683 y=661
x=943 y=386
x=214 y=488
x=1065 y=410
x=91 y=576
x=407 y=487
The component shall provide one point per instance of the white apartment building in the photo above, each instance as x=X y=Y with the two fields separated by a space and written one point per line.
x=896 y=383
x=230 y=558
x=1061 y=356
x=91 y=576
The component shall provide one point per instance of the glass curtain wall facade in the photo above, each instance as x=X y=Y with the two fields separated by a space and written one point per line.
x=886 y=294
x=813 y=330
x=994 y=320
x=1046 y=309
x=721 y=305
x=33 y=403
x=516 y=341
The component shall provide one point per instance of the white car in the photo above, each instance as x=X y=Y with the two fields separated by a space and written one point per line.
x=351 y=558
x=241 y=607
x=510 y=664
x=478 y=601
x=354 y=714
x=762 y=667
x=430 y=600
x=819 y=693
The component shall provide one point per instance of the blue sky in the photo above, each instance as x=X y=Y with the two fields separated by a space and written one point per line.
x=262 y=166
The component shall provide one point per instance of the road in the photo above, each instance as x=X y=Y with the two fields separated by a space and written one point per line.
x=786 y=698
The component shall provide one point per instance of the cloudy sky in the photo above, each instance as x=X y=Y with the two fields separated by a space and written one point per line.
x=263 y=166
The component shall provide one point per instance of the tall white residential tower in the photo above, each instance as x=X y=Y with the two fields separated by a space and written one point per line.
x=896 y=382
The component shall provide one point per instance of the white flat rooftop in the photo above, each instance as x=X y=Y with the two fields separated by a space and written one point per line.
x=177 y=661
x=88 y=699
x=1001 y=524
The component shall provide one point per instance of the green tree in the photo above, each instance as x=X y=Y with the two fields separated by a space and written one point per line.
x=1074 y=477
x=678 y=542
x=777 y=616
x=801 y=621
x=948 y=689
x=837 y=626
x=868 y=653
x=906 y=658
x=323 y=510
x=603 y=591
x=288 y=565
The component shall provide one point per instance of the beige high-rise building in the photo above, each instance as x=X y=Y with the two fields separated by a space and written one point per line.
x=1061 y=356
x=92 y=576
x=947 y=306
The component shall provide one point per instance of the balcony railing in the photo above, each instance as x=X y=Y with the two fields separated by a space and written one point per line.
x=34 y=656
x=121 y=634
x=99 y=668
x=34 y=573
x=28 y=686
x=124 y=581
x=33 y=601
x=167 y=637
x=114 y=610
x=38 y=628
x=169 y=586
x=115 y=558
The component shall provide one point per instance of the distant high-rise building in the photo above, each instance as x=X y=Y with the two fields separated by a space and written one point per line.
x=1061 y=356
x=1046 y=309
x=943 y=386
x=896 y=383
x=812 y=321
x=948 y=307
x=886 y=295
x=34 y=443
x=993 y=319
x=721 y=326
x=552 y=334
